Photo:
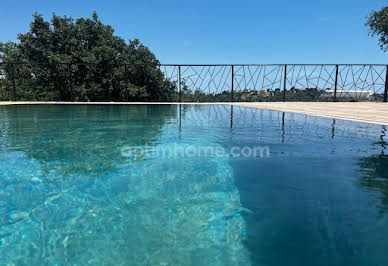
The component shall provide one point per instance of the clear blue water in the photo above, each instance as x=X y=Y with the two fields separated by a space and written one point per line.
x=76 y=190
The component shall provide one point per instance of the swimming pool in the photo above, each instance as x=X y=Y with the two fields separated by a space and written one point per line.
x=189 y=185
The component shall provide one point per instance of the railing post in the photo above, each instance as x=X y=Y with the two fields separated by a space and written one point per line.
x=386 y=86
x=180 y=83
x=335 y=83
x=285 y=83
x=232 y=88
x=13 y=82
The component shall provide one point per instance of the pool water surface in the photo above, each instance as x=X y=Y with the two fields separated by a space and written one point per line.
x=189 y=185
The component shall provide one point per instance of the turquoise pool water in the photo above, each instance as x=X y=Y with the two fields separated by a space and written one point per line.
x=189 y=185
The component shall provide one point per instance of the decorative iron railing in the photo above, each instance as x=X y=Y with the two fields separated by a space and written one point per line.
x=283 y=82
x=225 y=82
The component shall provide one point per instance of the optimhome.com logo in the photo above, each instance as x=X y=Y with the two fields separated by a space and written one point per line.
x=192 y=151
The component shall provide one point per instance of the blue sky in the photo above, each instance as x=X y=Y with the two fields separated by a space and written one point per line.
x=224 y=31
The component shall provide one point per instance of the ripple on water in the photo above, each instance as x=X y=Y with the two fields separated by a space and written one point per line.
x=140 y=213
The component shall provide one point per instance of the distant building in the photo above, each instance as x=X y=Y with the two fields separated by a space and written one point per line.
x=348 y=94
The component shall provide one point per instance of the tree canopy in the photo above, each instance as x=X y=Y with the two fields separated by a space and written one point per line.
x=82 y=60
x=377 y=21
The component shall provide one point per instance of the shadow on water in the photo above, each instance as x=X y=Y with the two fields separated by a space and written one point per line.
x=306 y=205
x=50 y=134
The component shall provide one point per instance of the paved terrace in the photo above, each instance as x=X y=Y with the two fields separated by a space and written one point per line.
x=370 y=112
x=360 y=111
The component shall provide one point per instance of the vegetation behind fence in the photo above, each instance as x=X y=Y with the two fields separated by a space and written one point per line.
x=193 y=83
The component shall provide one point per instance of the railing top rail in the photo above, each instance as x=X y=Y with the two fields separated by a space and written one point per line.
x=280 y=64
x=277 y=64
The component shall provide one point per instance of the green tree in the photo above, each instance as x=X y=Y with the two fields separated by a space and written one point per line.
x=377 y=21
x=82 y=60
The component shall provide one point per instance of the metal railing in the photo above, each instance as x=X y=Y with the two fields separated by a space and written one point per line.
x=283 y=82
x=225 y=82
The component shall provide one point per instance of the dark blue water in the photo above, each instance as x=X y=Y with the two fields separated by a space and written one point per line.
x=189 y=185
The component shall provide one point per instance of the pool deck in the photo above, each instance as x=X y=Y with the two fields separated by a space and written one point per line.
x=370 y=112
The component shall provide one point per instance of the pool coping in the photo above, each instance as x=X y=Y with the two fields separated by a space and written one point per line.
x=366 y=112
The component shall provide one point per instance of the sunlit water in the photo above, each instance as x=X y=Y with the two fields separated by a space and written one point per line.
x=74 y=192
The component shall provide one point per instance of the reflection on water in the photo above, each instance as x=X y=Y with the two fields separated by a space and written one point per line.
x=375 y=171
x=68 y=195
x=54 y=143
